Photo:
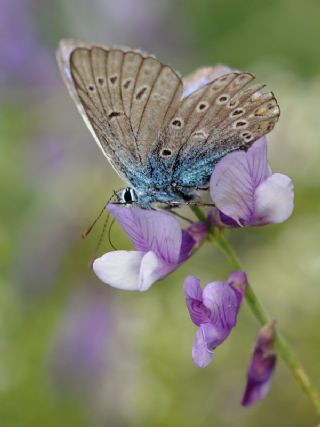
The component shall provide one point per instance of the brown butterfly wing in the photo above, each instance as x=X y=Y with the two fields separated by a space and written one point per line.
x=124 y=96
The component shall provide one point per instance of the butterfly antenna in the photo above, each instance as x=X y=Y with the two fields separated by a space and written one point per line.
x=88 y=230
x=103 y=232
x=109 y=235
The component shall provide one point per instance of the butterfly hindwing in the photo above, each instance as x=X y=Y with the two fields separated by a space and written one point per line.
x=216 y=119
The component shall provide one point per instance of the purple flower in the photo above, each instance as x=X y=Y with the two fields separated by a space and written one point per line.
x=214 y=309
x=246 y=192
x=261 y=367
x=161 y=246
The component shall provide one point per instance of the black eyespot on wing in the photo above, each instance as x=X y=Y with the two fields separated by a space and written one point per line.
x=237 y=112
x=240 y=123
x=114 y=114
x=141 y=92
x=166 y=152
x=223 y=98
x=127 y=84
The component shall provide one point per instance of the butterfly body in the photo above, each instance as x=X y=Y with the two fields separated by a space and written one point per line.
x=163 y=144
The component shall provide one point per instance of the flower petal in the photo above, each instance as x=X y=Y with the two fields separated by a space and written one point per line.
x=193 y=295
x=188 y=242
x=214 y=335
x=238 y=281
x=235 y=178
x=207 y=338
x=258 y=162
x=274 y=199
x=151 y=230
x=152 y=269
x=231 y=187
x=261 y=367
x=128 y=221
x=198 y=231
x=223 y=303
x=201 y=355
x=192 y=289
x=120 y=269
x=221 y=220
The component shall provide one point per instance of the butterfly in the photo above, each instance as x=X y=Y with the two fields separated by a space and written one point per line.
x=163 y=144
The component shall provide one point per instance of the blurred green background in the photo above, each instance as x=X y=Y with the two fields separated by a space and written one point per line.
x=74 y=352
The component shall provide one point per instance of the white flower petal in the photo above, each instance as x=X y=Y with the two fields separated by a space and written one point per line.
x=153 y=268
x=274 y=199
x=120 y=269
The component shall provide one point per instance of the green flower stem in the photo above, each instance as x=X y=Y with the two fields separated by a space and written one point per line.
x=284 y=350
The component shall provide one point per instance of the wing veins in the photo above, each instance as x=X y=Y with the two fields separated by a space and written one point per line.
x=169 y=105
x=98 y=113
x=145 y=105
x=211 y=104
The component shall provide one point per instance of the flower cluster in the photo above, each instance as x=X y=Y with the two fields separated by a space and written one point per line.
x=245 y=193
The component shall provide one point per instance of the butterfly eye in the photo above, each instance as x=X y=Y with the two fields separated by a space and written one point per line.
x=129 y=195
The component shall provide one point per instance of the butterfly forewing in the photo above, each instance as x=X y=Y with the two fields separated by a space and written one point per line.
x=163 y=100
x=124 y=96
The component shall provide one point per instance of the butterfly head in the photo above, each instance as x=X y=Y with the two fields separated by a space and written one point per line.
x=127 y=196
